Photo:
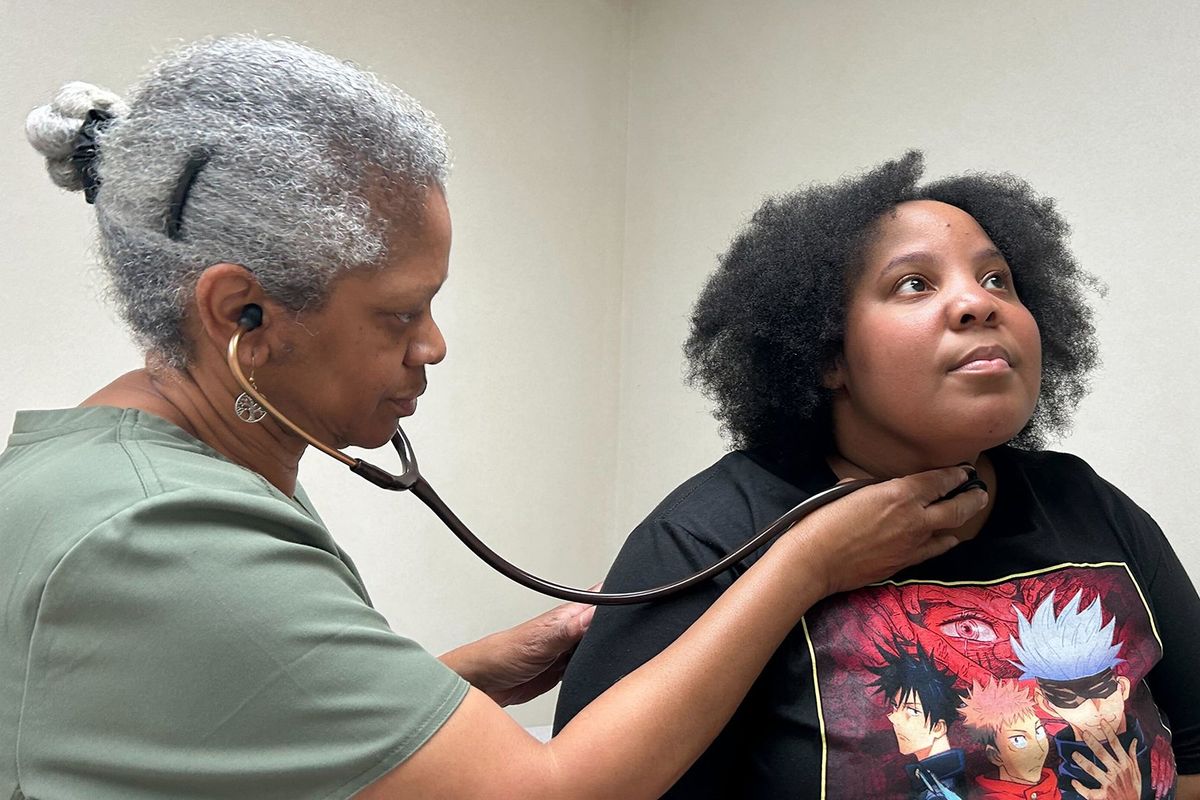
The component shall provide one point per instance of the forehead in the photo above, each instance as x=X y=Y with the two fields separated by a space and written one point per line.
x=417 y=261
x=1023 y=725
x=907 y=697
x=925 y=224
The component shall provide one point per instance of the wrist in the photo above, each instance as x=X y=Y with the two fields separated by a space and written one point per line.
x=806 y=578
x=467 y=661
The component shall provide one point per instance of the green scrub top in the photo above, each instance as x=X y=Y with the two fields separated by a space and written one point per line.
x=171 y=625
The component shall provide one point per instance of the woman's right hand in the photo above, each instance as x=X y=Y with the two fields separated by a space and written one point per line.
x=878 y=530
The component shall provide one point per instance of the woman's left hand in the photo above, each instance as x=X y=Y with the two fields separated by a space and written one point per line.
x=516 y=665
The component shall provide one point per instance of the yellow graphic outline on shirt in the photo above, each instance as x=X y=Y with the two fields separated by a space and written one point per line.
x=812 y=654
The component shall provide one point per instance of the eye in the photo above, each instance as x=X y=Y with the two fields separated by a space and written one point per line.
x=1040 y=732
x=911 y=712
x=406 y=316
x=912 y=284
x=1019 y=741
x=972 y=629
x=996 y=280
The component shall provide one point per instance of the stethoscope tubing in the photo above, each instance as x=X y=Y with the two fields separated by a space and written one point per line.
x=430 y=498
x=411 y=480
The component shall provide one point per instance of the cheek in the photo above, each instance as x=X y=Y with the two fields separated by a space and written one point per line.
x=886 y=351
x=1030 y=339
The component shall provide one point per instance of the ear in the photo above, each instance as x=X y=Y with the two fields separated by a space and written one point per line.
x=939 y=729
x=1123 y=687
x=222 y=292
x=993 y=755
x=835 y=375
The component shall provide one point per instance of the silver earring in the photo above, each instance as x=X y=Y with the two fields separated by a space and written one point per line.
x=245 y=406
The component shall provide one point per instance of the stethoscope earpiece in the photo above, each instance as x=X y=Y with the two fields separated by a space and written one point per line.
x=251 y=318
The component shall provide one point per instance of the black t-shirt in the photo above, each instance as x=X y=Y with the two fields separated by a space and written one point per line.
x=1068 y=608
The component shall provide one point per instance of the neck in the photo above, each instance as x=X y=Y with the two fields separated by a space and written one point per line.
x=881 y=456
x=1013 y=777
x=204 y=408
x=940 y=745
x=852 y=461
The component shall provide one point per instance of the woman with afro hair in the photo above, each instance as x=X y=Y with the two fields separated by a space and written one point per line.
x=878 y=327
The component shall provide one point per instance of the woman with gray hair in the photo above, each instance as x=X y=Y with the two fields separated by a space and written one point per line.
x=178 y=622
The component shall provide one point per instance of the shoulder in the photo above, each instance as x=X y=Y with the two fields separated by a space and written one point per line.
x=112 y=510
x=101 y=486
x=1046 y=464
x=738 y=493
x=1061 y=475
x=89 y=464
x=1066 y=488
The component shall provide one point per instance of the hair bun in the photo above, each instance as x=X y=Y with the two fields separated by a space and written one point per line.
x=54 y=129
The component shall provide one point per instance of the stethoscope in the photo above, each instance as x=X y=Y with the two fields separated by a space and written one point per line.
x=410 y=480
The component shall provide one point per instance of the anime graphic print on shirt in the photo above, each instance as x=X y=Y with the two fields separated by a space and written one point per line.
x=1003 y=689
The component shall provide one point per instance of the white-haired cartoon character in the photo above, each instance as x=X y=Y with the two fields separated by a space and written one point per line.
x=1073 y=659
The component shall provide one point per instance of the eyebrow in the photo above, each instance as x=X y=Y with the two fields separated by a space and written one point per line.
x=410 y=293
x=923 y=256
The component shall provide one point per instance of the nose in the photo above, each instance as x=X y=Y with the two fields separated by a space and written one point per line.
x=429 y=347
x=973 y=305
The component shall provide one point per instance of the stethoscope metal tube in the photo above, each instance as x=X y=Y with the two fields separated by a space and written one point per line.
x=410 y=480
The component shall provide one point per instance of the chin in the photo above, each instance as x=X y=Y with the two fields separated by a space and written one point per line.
x=375 y=436
x=985 y=428
x=376 y=440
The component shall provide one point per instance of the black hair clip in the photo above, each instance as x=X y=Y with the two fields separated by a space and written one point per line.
x=83 y=154
x=195 y=163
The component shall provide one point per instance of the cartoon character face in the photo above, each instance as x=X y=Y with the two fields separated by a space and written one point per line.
x=968 y=626
x=914 y=735
x=975 y=622
x=1088 y=708
x=1020 y=750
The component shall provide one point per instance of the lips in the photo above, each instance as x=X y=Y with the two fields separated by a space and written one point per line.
x=989 y=358
x=408 y=405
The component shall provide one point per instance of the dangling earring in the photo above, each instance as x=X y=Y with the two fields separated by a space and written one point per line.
x=245 y=406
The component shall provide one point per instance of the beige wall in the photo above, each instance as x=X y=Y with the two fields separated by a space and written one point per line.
x=606 y=150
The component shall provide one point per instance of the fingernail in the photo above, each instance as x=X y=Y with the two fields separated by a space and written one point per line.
x=585 y=619
x=970 y=469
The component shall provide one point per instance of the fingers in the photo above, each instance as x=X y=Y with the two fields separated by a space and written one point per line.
x=935 y=546
x=566 y=624
x=1090 y=768
x=952 y=513
x=931 y=486
x=583 y=620
x=1120 y=757
x=1084 y=792
x=1104 y=751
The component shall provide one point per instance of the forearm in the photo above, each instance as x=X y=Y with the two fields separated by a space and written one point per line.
x=467 y=659
x=1189 y=788
x=641 y=735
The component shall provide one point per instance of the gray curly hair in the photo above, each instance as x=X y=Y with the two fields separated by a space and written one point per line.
x=305 y=161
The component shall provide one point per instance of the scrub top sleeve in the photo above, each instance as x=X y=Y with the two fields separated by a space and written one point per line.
x=232 y=655
x=622 y=638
